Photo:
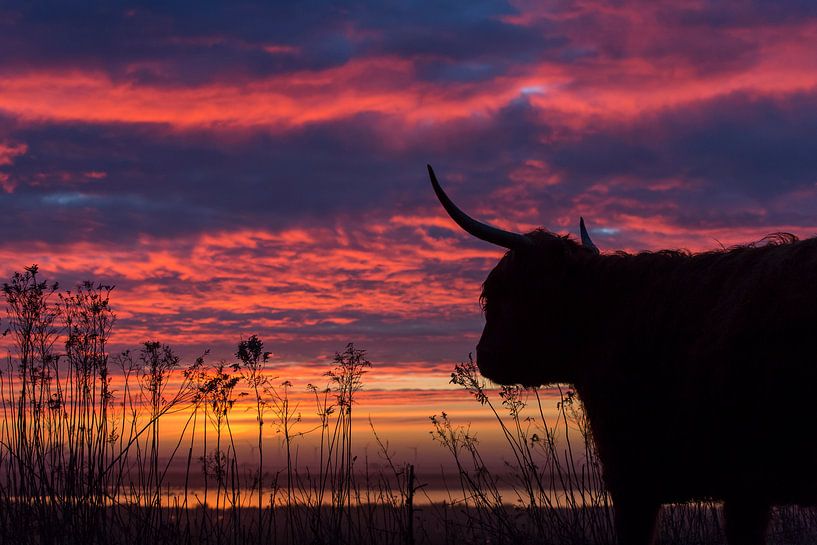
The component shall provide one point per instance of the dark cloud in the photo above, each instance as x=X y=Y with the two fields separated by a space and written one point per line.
x=178 y=44
x=730 y=153
x=737 y=149
x=719 y=15
x=305 y=336
x=153 y=179
x=175 y=43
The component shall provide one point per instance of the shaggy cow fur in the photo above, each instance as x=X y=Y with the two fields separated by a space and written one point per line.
x=698 y=372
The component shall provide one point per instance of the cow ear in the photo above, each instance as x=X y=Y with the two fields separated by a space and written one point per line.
x=586 y=241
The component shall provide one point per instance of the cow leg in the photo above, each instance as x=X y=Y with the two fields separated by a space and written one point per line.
x=635 y=520
x=746 y=522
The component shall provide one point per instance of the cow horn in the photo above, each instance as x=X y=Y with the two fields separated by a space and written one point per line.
x=586 y=241
x=482 y=231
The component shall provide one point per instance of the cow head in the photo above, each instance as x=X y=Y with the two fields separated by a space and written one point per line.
x=533 y=328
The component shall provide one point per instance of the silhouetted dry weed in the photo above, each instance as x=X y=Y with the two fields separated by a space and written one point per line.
x=85 y=456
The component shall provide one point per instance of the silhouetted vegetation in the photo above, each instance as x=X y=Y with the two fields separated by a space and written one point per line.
x=88 y=455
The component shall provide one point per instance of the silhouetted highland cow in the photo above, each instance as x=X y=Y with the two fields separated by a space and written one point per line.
x=698 y=372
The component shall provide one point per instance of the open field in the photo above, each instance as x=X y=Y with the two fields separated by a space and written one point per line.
x=383 y=522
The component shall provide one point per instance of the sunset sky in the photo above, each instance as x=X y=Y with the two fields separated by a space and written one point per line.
x=259 y=168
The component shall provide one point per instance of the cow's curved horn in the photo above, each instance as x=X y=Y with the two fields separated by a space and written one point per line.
x=482 y=231
x=586 y=241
